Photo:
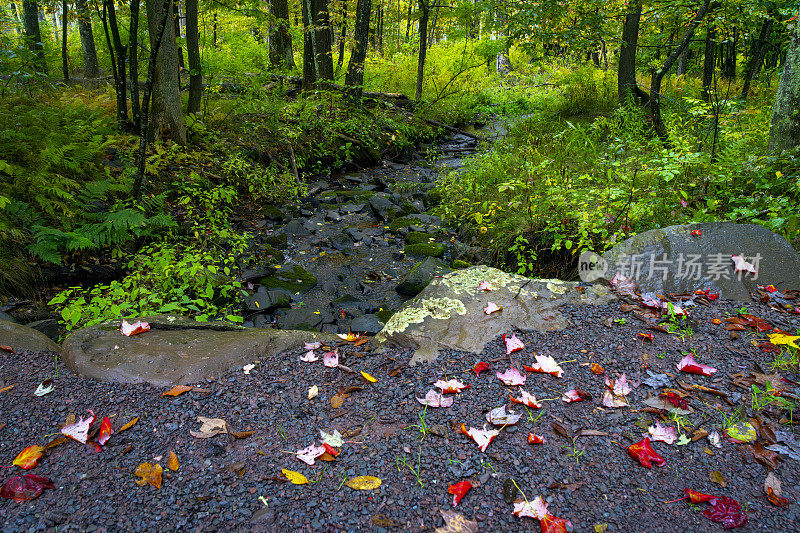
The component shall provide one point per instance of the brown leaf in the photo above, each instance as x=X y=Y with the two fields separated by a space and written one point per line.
x=764 y=429
x=766 y=457
x=172 y=462
x=337 y=400
x=238 y=468
x=456 y=523
x=177 y=390
x=658 y=327
x=591 y=433
x=129 y=425
x=772 y=486
x=2 y=425
x=359 y=342
x=351 y=389
x=395 y=372
x=564 y=486
x=6 y=389
x=561 y=430
x=716 y=477
x=149 y=473
x=699 y=434
x=326 y=457
x=55 y=442
x=381 y=520
x=241 y=434
x=7 y=349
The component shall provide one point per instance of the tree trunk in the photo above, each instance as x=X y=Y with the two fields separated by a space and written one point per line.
x=322 y=41
x=176 y=20
x=193 y=53
x=408 y=18
x=309 y=57
x=784 y=132
x=120 y=75
x=133 y=61
x=33 y=35
x=166 y=117
x=280 y=40
x=354 y=79
x=342 y=35
x=654 y=104
x=708 y=62
x=90 y=65
x=681 y=69
x=425 y=12
x=627 y=89
x=214 y=31
x=64 y=58
x=756 y=58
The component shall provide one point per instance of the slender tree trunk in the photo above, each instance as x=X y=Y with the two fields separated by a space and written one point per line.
x=784 y=133
x=193 y=53
x=408 y=18
x=627 y=88
x=756 y=58
x=432 y=30
x=425 y=12
x=322 y=44
x=91 y=68
x=33 y=35
x=354 y=79
x=166 y=117
x=214 y=32
x=342 y=35
x=708 y=61
x=309 y=57
x=176 y=20
x=381 y=27
x=64 y=58
x=654 y=104
x=133 y=45
x=120 y=78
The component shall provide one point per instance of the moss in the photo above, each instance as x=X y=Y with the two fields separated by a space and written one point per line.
x=408 y=209
x=385 y=314
x=274 y=255
x=271 y=212
x=458 y=263
x=417 y=237
x=293 y=279
x=403 y=223
x=433 y=198
x=276 y=239
x=433 y=249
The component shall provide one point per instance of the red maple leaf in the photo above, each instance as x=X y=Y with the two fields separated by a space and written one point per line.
x=727 y=511
x=645 y=454
x=459 y=490
x=25 y=488
x=480 y=367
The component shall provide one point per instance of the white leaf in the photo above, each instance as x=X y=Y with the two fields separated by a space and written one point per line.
x=450 y=386
x=334 y=439
x=330 y=359
x=309 y=357
x=313 y=392
x=535 y=509
x=133 y=329
x=248 y=368
x=490 y=308
x=527 y=399
x=481 y=437
x=513 y=344
x=664 y=434
x=512 y=377
x=307 y=455
x=80 y=429
x=547 y=365
x=311 y=345
x=500 y=417
x=43 y=389
x=740 y=265
x=434 y=399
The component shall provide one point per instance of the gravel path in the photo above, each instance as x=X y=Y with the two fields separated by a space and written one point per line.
x=228 y=483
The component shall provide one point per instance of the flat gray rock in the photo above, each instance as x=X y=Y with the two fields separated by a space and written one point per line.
x=448 y=313
x=25 y=339
x=672 y=260
x=176 y=350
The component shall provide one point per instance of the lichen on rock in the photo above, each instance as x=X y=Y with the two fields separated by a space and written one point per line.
x=467 y=280
x=439 y=308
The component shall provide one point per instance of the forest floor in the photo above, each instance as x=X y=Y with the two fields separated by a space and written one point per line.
x=234 y=480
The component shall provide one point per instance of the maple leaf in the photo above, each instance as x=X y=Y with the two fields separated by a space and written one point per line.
x=105 y=431
x=714 y=439
x=611 y=400
x=576 y=395
x=513 y=344
x=209 y=427
x=782 y=338
x=696 y=233
x=533 y=438
x=623 y=285
x=149 y=473
x=133 y=329
x=688 y=364
x=500 y=417
x=772 y=486
x=512 y=377
x=330 y=449
x=333 y=439
x=80 y=429
x=479 y=367
x=553 y=524
x=330 y=359
x=459 y=490
x=307 y=455
x=311 y=345
x=597 y=368
x=29 y=457
x=676 y=400
x=450 y=386
x=645 y=336
x=481 y=437
x=547 y=365
x=484 y=286
x=664 y=434
x=727 y=511
x=434 y=399
x=740 y=265
x=614 y=394
x=698 y=497
x=491 y=307
x=309 y=357
x=25 y=488
x=645 y=454
x=526 y=399
x=535 y=509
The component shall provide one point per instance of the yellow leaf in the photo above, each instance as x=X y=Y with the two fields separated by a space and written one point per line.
x=149 y=473
x=364 y=483
x=337 y=400
x=368 y=377
x=313 y=392
x=295 y=477
x=782 y=338
x=28 y=457
x=129 y=425
x=177 y=389
x=172 y=462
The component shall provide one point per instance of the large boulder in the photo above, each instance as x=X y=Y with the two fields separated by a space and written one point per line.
x=672 y=260
x=448 y=313
x=420 y=275
x=292 y=278
x=176 y=350
x=25 y=339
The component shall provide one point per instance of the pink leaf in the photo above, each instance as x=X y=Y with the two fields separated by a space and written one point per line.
x=688 y=364
x=330 y=359
x=513 y=344
x=490 y=308
x=527 y=399
x=611 y=400
x=484 y=286
x=512 y=377
x=740 y=265
x=105 y=431
x=547 y=365
x=434 y=399
x=80 y=429
x=309 y=357
x=307 y=455
x=664 y=434
x=535 y=509
x=576 y=395
x=450 y=386
x=500 y=417
x=311 y=345
x=481 y=437
x=133 y=329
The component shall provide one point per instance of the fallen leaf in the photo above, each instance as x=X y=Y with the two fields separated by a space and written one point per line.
x=645 y=454
x=332 y=439
x=309 y=454
x=55 y=442
x=337 y=400
x=576 y=395
x=330 y=450
x=772 y=486
x=349 y=337
x=535 y=439
x=313 y=392
x=783 y=339
x=500 y=417
x=311 y=345
x=209 y=427
x=491 y=307
x=553 y=524
x=512 y=377
x=597 y=368
x=295 y=477
x=513 y=344
x=561 y=430
x=688 y=364
x=364 y=483
x=532 y=509
x=645 y=336
x=8 y=349
x=128 y=425
x=6 y=388
x=241 y=434
x=368 y=377
x=480 y=367
x=696 y=233
x=484 y=286
x=105 y=431
x=309 y=357
x=450 y=386
x=740 y=433
x=434 y=399
x=661 y=433
x=740 y=265
x=765 y=456
x=657 y=380
x=331 y=359
x=601 y=528
x=526 y=399
x=177 y=390
x=45 y=387
x=715 y=476
x=29 y=457
x=481 y=437
x=545 y=364
x=726 y=511
x=247 y=368
x=79 y=430
x=133 y=329
x=456 y=523
x=459 y=490
x=149 y=473
x=658 y=402
x=172 y=461
x=25 y=488
x=683 y=440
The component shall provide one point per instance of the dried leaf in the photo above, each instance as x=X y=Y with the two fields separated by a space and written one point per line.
x=450 y=386
x=332 y=439
x=363 y=483
x=716 y=476
x=337 y=400
x=456 y=523
x=177 y=390
x=242 y=434
x=598 y=369
x=481 y=437
x=8 y=349
x=149 y=473
x=368 y=377
x=133 y=329
x=310 y=453
x=664 y=434
x=772 y=486
x=128 y=425
x=55 y=442
x=511 y=377
x=6 y=388
x=532 y=509
x=313 y=392
x=688 y=364
x=500 y=417
x=535 y=439
x=492 y=307
x=25 y=488
x=209 y=427
x=513 y=344
x=295 y=477
x=434 y=399
x=172 y=462
x=79 y=430
x=526 y=399
x=331 y=359
x=29 y=457
x=547 y=365
x=45 y=387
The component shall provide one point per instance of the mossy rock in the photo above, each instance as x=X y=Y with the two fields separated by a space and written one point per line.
x=357 y=194
x=294 y=279
x=407 y=209
x=459 y=264
x=271 y=212
x=385 y=314
x=274 y=255
x=277 y=240
x=416 y=279
x=417 y=237
x=432 y=249
x=433 y=198
x=404 y=223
